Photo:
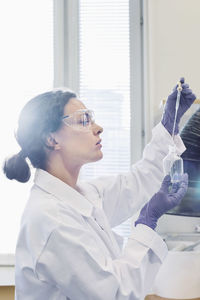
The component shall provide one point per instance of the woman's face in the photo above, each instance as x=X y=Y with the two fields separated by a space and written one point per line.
x=77 y=146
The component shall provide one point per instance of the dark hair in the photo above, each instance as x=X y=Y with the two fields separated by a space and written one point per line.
x=39 y=117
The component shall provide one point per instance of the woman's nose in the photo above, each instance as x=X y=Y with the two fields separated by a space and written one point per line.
x=97 y=129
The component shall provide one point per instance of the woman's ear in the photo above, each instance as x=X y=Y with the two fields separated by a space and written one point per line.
x=51 y=142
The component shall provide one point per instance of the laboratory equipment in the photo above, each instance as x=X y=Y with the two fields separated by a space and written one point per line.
x=190 y=205
x=173 y=163
x=180 y=227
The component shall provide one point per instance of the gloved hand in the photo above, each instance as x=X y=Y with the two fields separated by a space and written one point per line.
x=186 y=100
x=163 y=201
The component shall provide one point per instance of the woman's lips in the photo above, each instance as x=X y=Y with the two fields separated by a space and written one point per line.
x=99 y=141
x=98 y=145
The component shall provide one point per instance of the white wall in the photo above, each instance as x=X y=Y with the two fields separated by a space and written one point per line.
x=173 y=40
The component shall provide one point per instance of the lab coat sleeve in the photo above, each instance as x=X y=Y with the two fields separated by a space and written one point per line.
x=73 y=263
x=124 y=194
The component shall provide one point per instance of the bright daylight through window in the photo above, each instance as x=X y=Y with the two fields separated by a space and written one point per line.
x=26 y=59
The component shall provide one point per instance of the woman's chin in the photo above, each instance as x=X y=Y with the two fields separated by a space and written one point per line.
x=101 y=155
x=98 y=156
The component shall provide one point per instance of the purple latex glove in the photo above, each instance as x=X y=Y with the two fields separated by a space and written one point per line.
x=186 y=100
x=163 y=201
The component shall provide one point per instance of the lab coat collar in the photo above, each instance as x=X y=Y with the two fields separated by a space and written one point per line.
x=63 y=191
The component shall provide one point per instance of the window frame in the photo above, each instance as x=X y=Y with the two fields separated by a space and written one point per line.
x=66 y=44
x=137 y=131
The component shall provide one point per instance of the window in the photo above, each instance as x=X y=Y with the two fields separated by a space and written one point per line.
x=26 y=59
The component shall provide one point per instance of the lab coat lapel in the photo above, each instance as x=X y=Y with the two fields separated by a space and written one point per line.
x=63 y=191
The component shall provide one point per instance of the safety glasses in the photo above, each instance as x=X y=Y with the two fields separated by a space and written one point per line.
x=81 y=120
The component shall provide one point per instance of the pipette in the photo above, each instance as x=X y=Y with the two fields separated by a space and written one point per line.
x=179 y=89
x=173 y=163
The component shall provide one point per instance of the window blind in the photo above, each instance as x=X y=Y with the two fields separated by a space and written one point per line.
x=105 y=82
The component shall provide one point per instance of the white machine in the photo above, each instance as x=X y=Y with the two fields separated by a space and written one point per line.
x=179 y=276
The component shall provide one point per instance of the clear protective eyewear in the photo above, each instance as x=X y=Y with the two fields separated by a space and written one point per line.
x=81 y=120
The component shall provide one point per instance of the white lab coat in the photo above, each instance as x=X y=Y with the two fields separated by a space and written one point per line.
x=66 y=248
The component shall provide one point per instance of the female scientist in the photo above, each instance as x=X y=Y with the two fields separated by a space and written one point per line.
x=66 y=248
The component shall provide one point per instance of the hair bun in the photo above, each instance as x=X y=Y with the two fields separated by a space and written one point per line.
x=17 y=168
